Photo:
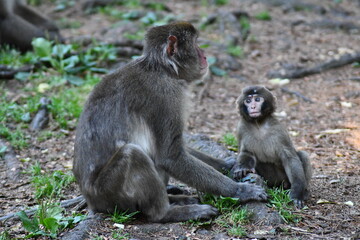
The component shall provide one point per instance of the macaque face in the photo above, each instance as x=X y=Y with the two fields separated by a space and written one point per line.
x=253 y=105
x=203 y=61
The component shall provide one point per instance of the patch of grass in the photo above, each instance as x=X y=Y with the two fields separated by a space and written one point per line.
x=66 y=107
x=263 y=16
x=231 y=141
x=68 y=65
x=281 y=201
x=5 y=235
x=235 y=51
x=122 y=217
x=48 y=221
x=221 y=2
x=16 y=137
x=18 y=112
x=245 y=26
x=232 y=217
x=13 y=58
x=49 y=185
x=64 y=23
x=118 y=234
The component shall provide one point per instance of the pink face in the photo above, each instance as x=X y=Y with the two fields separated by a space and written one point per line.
x=202 y=57
x=253 y=104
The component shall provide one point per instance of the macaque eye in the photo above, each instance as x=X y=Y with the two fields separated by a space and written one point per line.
x=248 y=100
x=257 y=99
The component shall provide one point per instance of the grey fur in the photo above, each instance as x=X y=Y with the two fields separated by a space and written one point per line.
x=117 y=166
x=265 y=146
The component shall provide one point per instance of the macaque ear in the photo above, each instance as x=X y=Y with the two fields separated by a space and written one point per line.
x=171 y=48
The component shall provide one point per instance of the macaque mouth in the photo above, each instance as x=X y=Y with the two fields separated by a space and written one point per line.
x=254 y=114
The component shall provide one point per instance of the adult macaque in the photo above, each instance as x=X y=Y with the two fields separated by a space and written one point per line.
x=129 y=138
x=19 y=24
x=266 y=148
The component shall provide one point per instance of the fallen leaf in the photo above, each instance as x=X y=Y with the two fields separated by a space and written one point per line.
x=43 y=87
x=346 y=104
x=279 y=81
x=324 y=201
x=349 y=203
x=119 y=226
x=294 y=133
x=335 y=131
x=281 y=114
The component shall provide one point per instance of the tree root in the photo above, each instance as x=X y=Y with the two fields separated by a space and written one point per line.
x=302 y=72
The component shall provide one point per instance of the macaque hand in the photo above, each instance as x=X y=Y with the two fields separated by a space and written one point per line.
x=248 y=192
x=240 y=172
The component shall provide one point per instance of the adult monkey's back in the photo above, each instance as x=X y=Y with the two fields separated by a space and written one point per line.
x=129 y=137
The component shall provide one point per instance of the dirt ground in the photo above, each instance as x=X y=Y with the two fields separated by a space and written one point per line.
x=334 y=208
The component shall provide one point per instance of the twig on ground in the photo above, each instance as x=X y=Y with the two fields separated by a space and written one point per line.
x=306 y=99
x=302 y=72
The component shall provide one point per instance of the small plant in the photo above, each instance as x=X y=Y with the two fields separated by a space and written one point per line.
x=13 y=58
x=61 y=57
x=245 y=27
x=48 y=221
x=66 y=106
x=16 y=137
x=117 y=235
x=122 y=217
x=49 y=185
x=230 y=140
x=5 y=235
x=264 y=16
x=221 y=2
x=235 y=51
x=232 y=214
x=281 y=201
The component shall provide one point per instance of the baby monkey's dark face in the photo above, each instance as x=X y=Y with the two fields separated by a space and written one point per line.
x=253 y=105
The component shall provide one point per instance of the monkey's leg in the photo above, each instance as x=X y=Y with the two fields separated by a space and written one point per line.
x=131 y=182
x=216 y=163
x=183 y=199
x=18 y=32
x=274 y=175
x=295 y=172
x=34 y=17
x=307 y=170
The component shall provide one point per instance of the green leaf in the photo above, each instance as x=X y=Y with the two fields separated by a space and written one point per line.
x=70 y=62
x=211 y=60
x=79 y=218
x=217 y=71
x=55 y=212
x=132 y=15
x=42 y=47
x=31 y=225
x=26 y=117
x=149 y=18
x=3 y=149
x=204 y=46
x=51 y=224
x=61 y=49
x=22 y=76
x=77 y=81
x=99 y=70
